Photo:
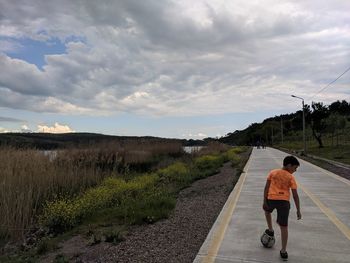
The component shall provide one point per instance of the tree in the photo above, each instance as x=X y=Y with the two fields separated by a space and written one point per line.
x=335 y=122
x=342 y=108
x=297 y=121
x=318 y=118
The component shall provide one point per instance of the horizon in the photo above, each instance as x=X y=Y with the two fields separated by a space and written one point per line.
x=116 y=135
x=169 y=69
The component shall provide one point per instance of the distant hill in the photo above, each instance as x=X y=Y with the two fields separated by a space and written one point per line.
x=323 y=122
x=48 y=141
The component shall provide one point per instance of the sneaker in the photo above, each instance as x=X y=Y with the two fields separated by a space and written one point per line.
x=270 y=233
x=284 y=255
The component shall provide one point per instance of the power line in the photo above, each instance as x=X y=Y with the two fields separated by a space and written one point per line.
x=330 y=83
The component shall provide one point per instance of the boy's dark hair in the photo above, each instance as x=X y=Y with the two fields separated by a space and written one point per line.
x=290 y=160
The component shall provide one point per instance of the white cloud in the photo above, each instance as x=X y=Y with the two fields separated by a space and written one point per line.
x=202 y=135
x=9 y=46
x=25 y=128
x=199 y=135
x=4 y=130
x=56 y=128
x=176 y=58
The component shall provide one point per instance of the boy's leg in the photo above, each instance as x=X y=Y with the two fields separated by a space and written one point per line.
x=282 y=220
x=268 y=208
x=268 y=220
x=284 y=237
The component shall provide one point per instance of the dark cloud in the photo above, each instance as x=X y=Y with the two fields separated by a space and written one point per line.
x=9 y=119
x=173 y=57
x=21 y=77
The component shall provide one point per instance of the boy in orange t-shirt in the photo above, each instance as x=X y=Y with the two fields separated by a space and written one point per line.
x=276 y=195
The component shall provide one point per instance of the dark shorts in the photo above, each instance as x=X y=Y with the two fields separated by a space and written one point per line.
x=282 y=208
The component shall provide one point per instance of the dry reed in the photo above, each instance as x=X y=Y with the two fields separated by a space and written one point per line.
x=28 y=178
x=212 y=148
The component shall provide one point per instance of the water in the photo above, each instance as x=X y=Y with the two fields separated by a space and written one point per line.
x=192 y=149
x=52 y=154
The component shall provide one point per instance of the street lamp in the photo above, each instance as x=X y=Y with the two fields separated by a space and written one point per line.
x=304 y=141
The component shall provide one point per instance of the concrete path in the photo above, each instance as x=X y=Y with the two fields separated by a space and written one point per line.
x=322 y=235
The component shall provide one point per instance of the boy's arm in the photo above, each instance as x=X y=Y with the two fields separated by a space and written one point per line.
x=296 y=201
x=266 y=192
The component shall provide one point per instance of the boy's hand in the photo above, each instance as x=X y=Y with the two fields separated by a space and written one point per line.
x=265 y=206
x=298 y=215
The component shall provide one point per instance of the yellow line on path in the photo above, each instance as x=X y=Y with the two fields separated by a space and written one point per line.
x=328 y=212
x=218 y=235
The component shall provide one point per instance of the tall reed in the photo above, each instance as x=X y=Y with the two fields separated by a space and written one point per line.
x=28 y=178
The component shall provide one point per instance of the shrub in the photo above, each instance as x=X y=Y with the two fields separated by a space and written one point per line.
x=60 y=215
x=208 y=164
x=233 y=157
x=177 y=173
x=238 y=149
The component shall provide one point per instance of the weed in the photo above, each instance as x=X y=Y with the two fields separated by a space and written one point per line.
x=232 y=155
x=114 y=235
x=42 y=247
x=60 y=258
x=95 y=238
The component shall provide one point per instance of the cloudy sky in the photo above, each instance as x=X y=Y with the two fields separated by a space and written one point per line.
x=183 y=69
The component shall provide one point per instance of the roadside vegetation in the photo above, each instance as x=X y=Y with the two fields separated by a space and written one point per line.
x=97 y=191
x=339 y=153
x=327 y=131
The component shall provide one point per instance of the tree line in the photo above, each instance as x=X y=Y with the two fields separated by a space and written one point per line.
x=321 y=120
x=49 y=141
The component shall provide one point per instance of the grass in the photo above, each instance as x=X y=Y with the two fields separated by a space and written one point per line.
x=339 y=153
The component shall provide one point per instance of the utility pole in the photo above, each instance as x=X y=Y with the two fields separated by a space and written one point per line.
x=304 y=139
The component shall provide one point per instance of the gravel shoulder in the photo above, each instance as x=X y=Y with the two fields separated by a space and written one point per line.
x=178 y=238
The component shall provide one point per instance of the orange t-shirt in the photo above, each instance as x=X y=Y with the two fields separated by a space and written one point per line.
x=281 y=181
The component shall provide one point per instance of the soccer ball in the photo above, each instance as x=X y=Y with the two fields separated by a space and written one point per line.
x=267 y=241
